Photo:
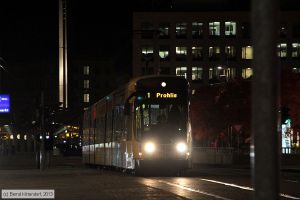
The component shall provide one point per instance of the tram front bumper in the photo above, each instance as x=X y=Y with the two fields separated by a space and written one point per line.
x=162 y=164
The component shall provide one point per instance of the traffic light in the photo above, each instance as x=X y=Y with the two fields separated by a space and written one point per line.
x=285 y=116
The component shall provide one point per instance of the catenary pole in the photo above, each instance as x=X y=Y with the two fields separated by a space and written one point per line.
x=265 y=99
x=42 y=149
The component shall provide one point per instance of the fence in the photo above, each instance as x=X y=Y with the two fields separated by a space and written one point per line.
x=208 y=155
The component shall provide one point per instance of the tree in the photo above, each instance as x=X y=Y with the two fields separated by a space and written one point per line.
x=204 y=115
x=216 y=109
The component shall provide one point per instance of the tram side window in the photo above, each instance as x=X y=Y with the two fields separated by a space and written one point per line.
x=118 y=123
x=108 y=127
x=146 y=116
x=127 y=131
x=102 y=129
x=139 y=123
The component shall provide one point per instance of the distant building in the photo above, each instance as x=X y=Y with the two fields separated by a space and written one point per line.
x=206 y=47
x=91 y=80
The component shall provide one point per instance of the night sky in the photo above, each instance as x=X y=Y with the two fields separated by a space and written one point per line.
x=29 y=45
x=96 y=29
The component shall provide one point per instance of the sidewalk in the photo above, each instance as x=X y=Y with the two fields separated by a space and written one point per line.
x=234 y=169
x=28 y=160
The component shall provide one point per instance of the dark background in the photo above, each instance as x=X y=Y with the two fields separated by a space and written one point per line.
x=96 y=29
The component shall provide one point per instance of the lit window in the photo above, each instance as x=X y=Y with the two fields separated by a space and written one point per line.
x=247 y=72
x=181 y=30
x=295 y=50
x=86 y=84
x=214 y=53
x=214 y=28
x=164 y=30
x=211 y=73
x=197 y=53
x=147 y=53
x=197 y=73
x=164 y=52
x=296 y=69
x=181 y=71
x=86 y=98
x=181 y=53
x=282 y=50
x=197 y=29
x=86 y=70
x=230 y=73
x=247 y=52
x=221 y=73
x=230 y=28
x=230 y=52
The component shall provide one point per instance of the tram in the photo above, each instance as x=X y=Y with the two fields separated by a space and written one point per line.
x=144 y=124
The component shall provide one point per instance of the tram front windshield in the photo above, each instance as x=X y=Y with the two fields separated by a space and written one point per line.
x=163 y=121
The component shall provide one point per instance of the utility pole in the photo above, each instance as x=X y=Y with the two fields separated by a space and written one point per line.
x=42 y=149
x=265 y=100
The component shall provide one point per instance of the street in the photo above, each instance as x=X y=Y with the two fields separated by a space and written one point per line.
x=86 y=183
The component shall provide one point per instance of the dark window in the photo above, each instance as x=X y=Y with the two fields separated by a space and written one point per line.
x=246 y=30
x=283 y=31
x=147 y=70
x=197 y=53
x=214 y=53
x=197 y=30
x=164 y=30
x=165 y=70
x=147 y=30
x=230 y=52
x=296 y=29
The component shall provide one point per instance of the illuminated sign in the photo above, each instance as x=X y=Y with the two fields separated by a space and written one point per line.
x=4 y=103
x=166 y=95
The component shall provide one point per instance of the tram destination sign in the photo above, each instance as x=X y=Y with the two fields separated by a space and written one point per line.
x=4 y=103
x=162 y=95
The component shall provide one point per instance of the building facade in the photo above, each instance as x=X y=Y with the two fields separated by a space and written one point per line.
x=206 y=47
x=91 y=80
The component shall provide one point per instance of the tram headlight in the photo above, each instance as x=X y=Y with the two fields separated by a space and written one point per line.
x=149 y=147
x=181 y=147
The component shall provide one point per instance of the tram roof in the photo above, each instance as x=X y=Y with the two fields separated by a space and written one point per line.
x=129 y=87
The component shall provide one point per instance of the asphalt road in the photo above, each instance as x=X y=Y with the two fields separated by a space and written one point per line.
x=84 y=183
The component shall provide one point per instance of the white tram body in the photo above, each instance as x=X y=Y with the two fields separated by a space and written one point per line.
x=145 y=123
